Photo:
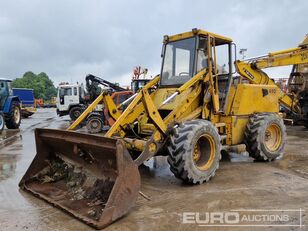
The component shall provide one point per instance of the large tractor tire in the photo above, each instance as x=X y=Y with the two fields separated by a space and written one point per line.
x=265 y=136
x=1 y=122
x=13 y=118
x=194 y=151
x=95 y=124
x=75 y=112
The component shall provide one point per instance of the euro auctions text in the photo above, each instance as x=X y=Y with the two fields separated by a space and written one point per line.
x=246 y=217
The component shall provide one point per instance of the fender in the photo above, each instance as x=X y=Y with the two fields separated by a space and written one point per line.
x=66 y=112
x=70 y=106
x=8 y=103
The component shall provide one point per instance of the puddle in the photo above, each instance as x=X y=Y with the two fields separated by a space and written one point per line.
x=7 y=165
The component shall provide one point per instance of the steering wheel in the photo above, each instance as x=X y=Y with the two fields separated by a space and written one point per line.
x=183 y=73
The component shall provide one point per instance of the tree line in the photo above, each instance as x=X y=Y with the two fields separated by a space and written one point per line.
x=41 y=84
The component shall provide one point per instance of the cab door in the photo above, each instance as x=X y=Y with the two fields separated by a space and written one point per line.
x=67 y=97
x=4 y=93
x=71 y=97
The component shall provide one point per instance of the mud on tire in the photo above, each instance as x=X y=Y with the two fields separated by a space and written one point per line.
x=265 y=136
x=95 y=123
x=75 y=112
x=194 y=151
x=13 y=118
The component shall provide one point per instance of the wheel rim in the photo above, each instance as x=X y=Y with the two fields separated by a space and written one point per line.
x=16 y=115
x=77 y=114
x=273 y=137
x=204 y=152
x=94 y=125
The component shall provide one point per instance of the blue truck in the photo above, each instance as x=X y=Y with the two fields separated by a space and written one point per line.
x=27 y=99
x=10 y=111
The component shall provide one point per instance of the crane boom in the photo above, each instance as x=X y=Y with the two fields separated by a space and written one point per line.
x=251 y=69
x=104 y=82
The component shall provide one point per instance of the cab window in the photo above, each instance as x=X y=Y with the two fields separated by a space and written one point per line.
x=178 y=63
x=66 y=91
x=75 y=90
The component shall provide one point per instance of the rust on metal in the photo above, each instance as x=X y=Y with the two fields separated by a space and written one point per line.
x=91 y=177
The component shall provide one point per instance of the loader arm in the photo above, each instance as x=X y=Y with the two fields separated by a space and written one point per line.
x=143 y=103
x=251 y=69
x=106 y=98
x=92 y=78
x=122 y=121
x=136 y=107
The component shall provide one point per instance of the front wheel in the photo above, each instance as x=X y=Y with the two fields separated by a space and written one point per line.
x=194 y=151
x=14 y=116
x=1 y=122
x=95 y=124
x=75 y=112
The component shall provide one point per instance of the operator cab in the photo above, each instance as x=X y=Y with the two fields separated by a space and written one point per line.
x=137 y=84
x=75 y=91
x=5 y=91
x=184 y=55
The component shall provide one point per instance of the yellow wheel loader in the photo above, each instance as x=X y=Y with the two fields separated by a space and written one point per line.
x=191 y=112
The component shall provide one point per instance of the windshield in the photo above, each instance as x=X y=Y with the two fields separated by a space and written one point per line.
x=65 y=91
x=4 y=92
x=178 y=63
x=137 y=84
x=4 y=88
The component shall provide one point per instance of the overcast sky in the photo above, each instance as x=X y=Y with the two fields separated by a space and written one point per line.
x=68 y=39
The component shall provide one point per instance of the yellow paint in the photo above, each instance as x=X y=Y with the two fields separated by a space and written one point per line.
x=199 y=98
x=252 y=98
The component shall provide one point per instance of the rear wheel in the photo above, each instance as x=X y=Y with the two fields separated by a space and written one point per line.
x=14 y=116
x=265 y=136
x=75 y=112
x=95 y=124
x=1 y=122
x=194 y=151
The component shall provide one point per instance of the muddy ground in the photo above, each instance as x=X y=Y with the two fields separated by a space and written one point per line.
x=238 y=185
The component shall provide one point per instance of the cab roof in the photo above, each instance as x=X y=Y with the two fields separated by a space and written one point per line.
x=4 y=79
x=219 y=39
x=69 y=85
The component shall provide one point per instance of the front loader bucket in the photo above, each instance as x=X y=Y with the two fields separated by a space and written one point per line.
x=91 y=177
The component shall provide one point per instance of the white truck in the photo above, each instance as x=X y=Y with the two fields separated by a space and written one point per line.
x=71 y=100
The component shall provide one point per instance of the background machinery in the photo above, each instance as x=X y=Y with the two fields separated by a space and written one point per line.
x=70 y=100
x=95 y=121
x=98 y=117
x=73 y=99
x=294 y=101
x=26 y=96
x=139 y=82
x=298 y=85
x=9 y=105
x=195 y=111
